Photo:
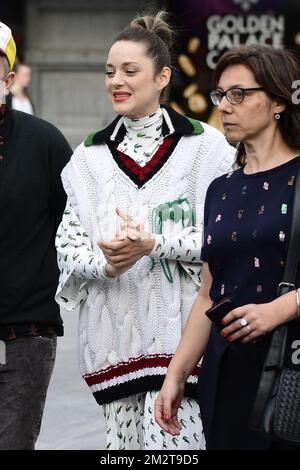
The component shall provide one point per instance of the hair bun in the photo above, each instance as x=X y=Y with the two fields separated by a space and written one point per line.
x=156 y=24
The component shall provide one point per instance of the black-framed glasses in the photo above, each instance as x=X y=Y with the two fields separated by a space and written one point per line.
x=233 y=95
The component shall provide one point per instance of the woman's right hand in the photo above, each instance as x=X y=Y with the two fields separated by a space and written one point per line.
x=167 y=404
x=112 y=271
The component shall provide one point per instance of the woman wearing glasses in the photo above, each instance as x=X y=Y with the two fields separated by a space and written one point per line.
x=246 y=236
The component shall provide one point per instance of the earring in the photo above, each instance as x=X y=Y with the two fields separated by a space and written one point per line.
x=277 y=116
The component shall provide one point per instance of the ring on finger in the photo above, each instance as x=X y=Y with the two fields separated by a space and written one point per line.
x=243 y=322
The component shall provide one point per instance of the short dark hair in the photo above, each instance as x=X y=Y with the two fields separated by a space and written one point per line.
x=275 y=70
x=156 y=34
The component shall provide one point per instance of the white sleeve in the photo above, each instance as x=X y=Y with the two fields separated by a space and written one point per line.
x=184 y=248
x=76 y=261
x=185 y=245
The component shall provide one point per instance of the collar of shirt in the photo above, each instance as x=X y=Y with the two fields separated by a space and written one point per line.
x=173 y=122
x=143 y=137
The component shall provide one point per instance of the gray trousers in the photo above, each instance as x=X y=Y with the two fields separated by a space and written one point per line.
x=24 y=380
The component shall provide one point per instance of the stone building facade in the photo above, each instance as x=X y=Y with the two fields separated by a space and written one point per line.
x=66 y=43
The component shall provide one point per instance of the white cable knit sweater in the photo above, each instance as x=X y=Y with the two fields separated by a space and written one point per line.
x=130 y=326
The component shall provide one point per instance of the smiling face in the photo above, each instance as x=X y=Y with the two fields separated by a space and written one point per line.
x=131 y=82
x=254 y=116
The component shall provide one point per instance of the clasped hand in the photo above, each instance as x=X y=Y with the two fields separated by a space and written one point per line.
x=128 y=246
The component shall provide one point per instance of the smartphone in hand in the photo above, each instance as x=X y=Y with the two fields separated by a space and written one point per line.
x=219 y=310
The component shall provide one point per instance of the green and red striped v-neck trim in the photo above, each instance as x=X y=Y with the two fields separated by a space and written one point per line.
x=141 y=174
x=173 y=128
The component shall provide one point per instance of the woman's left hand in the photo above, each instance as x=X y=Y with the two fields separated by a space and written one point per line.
x=249 y=322
x=130 y=245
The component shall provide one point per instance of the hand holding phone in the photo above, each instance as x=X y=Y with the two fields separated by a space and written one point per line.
x=218 y=311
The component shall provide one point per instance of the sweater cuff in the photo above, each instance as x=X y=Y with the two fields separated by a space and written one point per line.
x=158 y=246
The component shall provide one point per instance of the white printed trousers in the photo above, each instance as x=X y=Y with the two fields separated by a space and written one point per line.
x=130 y=425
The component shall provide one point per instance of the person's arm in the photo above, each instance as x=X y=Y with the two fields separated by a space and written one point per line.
x=132 y=243
x=259 y=318
x=77 y=261
x=184 y=248
x=74 y=248
x=186 y=357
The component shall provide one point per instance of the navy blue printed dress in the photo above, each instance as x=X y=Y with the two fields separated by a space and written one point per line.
x=247 y=224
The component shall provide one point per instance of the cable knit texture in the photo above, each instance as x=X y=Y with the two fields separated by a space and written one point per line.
x=130 y=326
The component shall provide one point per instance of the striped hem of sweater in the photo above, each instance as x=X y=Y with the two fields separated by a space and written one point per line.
x=141 y=374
